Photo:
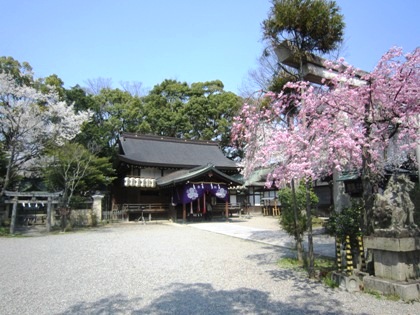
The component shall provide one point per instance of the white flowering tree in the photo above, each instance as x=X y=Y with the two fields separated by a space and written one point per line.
x=29 y=121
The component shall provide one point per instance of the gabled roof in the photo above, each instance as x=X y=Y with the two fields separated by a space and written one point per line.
x=258 y=178
x=184 y=175
x=159 y=151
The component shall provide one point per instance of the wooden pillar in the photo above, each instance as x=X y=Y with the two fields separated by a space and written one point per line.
x=184 y=212
x=227 y=210
x=172 y=212
x=14 y=214
x=49 y=206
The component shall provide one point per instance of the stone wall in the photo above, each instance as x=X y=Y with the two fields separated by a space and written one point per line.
x=83 y=217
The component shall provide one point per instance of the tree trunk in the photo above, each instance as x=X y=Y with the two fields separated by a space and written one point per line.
x=310 y=257
x=369 y=185
x=367 y=180
x=368 y=202
x=8 y=171
x=299 y=249
x=298 y=238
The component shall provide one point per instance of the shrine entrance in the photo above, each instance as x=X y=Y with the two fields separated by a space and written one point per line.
x=29 y=208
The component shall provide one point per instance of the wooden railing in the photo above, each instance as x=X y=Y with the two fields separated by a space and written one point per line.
x=145 y=208
x=144 y=212
x=220 y=209
x=114 y=215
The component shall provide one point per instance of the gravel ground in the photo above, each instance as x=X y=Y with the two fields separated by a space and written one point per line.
x=164 y=269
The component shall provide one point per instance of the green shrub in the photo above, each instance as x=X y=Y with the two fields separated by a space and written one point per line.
x=287 y=219
x=317 y=222
x=323 y=267
x=346 y=222
x=289 y=263
x=374 y=293
x=328 y=281
x=4 y=231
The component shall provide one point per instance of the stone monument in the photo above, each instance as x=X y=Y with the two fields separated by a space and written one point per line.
x=395 y=244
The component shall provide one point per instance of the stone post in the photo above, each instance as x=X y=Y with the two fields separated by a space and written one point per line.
x=97 y=207
x=6 y=213
x=49 y=214
x=14 y=215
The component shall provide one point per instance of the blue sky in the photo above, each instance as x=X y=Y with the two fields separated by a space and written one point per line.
x=185 y=40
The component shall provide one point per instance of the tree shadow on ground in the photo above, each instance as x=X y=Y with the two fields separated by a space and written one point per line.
x=114 y=304
x=203 y=298
x=323 y=243
x=298 y=279
x=272 y=255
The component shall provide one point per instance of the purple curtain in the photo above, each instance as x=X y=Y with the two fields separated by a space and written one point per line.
x=191 y=192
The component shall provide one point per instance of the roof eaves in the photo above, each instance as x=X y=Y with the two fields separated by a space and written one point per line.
x=188 y=174
x=194 y=173
x=124 y=158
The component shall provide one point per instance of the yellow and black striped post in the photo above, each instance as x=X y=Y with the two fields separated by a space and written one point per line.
x=361 y=253
x=338 y=253
x=349 y=257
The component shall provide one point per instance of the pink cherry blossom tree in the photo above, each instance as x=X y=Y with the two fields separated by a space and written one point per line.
x=351 y=122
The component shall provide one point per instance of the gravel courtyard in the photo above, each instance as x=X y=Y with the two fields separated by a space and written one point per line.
x=163 y=269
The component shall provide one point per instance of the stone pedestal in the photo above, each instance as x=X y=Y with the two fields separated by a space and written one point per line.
x=395 y=258
x=396 y=264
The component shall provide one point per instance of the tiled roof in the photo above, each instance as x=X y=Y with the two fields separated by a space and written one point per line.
x=171 y=152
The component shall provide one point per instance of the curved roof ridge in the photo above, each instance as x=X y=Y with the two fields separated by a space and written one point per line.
x=166 y=139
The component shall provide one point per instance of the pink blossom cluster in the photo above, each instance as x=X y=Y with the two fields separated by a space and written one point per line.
x=354 y=119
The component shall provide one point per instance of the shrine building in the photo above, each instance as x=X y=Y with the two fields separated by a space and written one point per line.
x=172 y=178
